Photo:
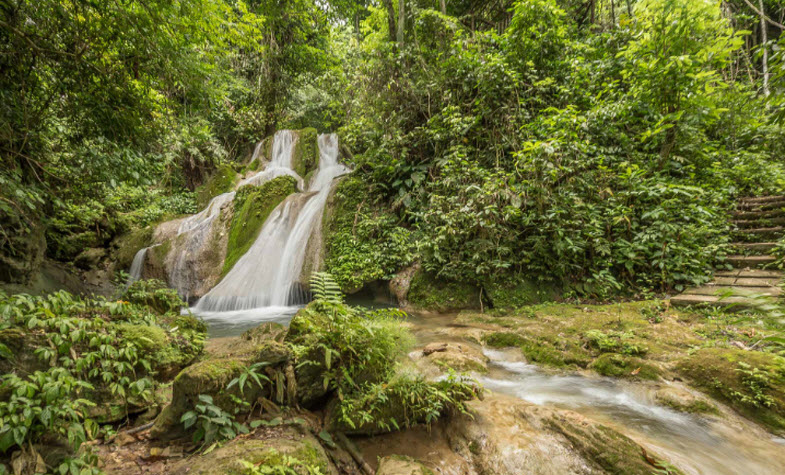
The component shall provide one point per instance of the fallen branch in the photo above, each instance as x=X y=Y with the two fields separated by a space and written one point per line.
x=349 y=446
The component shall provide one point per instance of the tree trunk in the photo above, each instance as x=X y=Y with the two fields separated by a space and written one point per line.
x=764 y=39
x=401 y=21
x=443 y=4
x=613 y=14
x=629 y=8
x=388 y=4
x=667 y=146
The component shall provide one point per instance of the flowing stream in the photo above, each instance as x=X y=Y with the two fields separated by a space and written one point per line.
x=263 y=285
x=695 y=444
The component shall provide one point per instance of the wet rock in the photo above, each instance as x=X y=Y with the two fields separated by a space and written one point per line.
x=90 y=258
x=506 y=435
x=684 y=400
x=400 y=465
x=399 y=285
x=290 y=447
x=457 y=356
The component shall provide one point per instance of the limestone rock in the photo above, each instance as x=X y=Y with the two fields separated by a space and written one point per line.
x=399 y=285
x=457 y=356
x=398 y=465
x=507 y=435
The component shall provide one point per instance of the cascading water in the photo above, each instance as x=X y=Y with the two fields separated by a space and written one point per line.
x=195 y=231
x=263 y=284
x=137 y=265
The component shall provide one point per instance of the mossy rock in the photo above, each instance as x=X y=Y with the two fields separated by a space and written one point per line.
x=265 y=332
x=145 y=337
x=516 y=292
x=211 y=377
x=429 y=293
x=128 y=244
x=220 y=182
x=603 y=447
x=752 y=382
x=622 y=366
x=305 y=156
x=252 y=206
x=289 y=448
x=544 y=350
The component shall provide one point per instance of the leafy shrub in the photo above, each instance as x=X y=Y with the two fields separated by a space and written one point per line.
x=212 y=423
x=155 y=294
x=86 y=351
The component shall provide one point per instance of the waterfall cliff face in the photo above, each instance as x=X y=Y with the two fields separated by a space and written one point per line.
x=266 y=277
x=200 y=238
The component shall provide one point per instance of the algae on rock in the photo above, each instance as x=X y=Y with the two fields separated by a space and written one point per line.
x=252 y=206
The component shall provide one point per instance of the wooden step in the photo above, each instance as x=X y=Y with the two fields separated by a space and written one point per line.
x=750 y=262
x=759 y=223
x=751 y=273
x=718 y=290
x=759 y=233
x=754 y=247
x=685 y=300
x=761 y=199
x=758 y=214
x=745 y=281
x=770 y=206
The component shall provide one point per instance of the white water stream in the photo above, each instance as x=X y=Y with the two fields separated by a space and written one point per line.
x=695 y=444
x=263 y=285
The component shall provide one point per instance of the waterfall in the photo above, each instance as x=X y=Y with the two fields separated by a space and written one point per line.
x=137 y=265
x=265 y=279
x=195 y=232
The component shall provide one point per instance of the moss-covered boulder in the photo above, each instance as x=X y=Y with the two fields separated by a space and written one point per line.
x=127 y=245
x=220 y=182
x=430 y=293
x=305 y=157
x=752 y=382
x=290 y=450
x=252 y=206
x=212 y=376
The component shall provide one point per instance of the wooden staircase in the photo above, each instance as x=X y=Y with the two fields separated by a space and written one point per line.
x=759 y=223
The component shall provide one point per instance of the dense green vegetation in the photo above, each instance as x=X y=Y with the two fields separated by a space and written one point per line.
x=596 y=150
x=504 y=154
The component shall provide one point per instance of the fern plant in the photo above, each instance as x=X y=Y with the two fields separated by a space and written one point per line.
x=325 y=289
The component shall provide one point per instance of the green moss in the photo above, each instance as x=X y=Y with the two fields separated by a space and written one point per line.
x=503 y=339
x=611 y=451
x=148 y=338
x=693 y=406
x=620 y=366
x=252 y=206
x=517 y=292
x=429 y=293
x=305 y=156
x=221 y=182
x=752 y=382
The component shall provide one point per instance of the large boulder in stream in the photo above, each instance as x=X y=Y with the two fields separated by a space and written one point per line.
x=290 y=449
x=212 y=376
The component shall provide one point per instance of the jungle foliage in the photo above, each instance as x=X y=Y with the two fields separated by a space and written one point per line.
x=69 y=364
x=598 y=155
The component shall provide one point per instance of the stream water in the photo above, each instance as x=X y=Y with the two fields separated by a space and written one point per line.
x=695 y=444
